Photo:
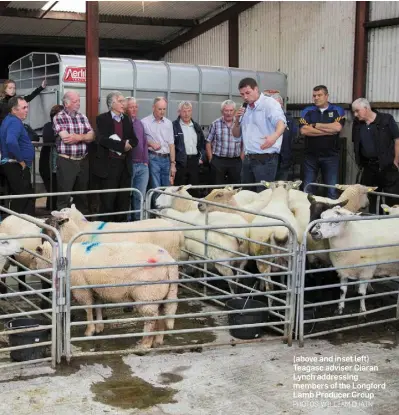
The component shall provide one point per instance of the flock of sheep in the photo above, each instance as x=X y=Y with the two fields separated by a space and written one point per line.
x=154 y=246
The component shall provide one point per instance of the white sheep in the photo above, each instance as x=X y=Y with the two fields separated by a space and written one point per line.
x=9 y=246
x=235 y=240
x=165 y=200
x=172 y=241
x=16 y=226
x=227 y=196
x=274 y=235
x=355 y=234
x=127 y=253
x=394 y=210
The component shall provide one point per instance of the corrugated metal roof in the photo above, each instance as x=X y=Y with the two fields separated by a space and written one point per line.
x=320 y=53
x=30 y=5
x=34 y=27
x=161 y=9
x=384 y=10
x=383 y=58
x=164 y=9
x=211 y=48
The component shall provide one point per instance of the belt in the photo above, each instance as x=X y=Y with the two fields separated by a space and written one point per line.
x=72 y=157
x=159 y=154
x=113 y=155
x=226 y=158
x=192 y=156
x=261 y=156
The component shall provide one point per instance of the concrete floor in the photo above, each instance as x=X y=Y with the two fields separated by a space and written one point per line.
x=253 y=379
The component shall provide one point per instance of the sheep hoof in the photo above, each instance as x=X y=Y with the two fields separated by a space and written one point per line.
x=144 y=344
x=158 y=341
x=338 y=312
x=90 y=331
x=99 y=328
x=362 y=319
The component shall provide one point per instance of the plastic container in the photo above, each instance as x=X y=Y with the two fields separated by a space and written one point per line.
x=30 y=337
x=254 y=317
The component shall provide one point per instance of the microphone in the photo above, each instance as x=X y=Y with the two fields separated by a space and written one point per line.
x=244 y=105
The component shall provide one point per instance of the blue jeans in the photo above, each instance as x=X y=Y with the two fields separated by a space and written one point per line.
x=255 y=170
x=329 y=166
x=139 y=181
x=159 y=173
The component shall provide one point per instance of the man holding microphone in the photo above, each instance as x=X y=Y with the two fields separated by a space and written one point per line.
x=261 y=125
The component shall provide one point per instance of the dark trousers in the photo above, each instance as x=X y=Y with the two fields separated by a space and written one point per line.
x=118 y=178
x=261 y=167
x=226 y=170
x=72 y=175
x=49 y=178
x=188 y=174
x=329 y=166
x=19 y=182
x=387 y=181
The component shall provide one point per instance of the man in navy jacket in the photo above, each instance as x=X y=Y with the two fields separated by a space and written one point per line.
x=17 y=155
x=189 y=147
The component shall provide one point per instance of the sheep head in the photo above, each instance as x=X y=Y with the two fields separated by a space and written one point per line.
x=394 y=210
x=328 y=230
x=223 y=196
x=55 y=222
x=165 y=200
x=282 y=184
x=9 y=246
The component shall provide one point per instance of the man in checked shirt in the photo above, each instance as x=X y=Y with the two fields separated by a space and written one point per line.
x=74 y=134
x=223 y=150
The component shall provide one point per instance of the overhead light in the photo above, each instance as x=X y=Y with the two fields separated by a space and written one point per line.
x=77 y=6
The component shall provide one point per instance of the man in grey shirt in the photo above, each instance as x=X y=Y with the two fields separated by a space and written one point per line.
x=159 y=132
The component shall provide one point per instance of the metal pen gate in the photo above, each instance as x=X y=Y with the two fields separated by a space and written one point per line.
x=315 y=316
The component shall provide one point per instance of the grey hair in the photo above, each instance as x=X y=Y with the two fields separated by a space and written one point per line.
x=278 y=98
x=131 y=99
x=362 y=102
x=227 y=102
x=110 y=98
x=66 y=98
x=185 y=104
x=157 y=99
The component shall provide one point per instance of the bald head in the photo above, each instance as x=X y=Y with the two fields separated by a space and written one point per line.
x=71 y=101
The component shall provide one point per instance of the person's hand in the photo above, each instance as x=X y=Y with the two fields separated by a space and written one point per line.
x=128 y=146
x=200 y=162
x=173 y=169
x=23 y=165
x=154 y=146
x=239 y=113
x=396 y=163
x=44 y=84
x=71 y=139
x=171 y=180
x=269 y=141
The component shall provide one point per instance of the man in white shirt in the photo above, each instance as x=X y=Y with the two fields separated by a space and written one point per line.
x=261 y=127
x=159 y=133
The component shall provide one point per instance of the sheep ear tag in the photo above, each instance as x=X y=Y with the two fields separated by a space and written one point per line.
x=385 y=208
x=371 y=189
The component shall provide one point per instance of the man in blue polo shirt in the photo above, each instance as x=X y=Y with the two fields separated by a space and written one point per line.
x=17 y=155
x=321 y=123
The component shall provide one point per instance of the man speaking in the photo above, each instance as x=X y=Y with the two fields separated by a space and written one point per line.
x=261 y=125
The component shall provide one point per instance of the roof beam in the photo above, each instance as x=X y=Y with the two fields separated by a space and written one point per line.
x=104 y=18
x=375 y=24
x=198 y=30
x=74 y=42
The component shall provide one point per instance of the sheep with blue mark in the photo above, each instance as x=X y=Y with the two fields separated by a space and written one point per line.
x=96 y=254
x=70 y=221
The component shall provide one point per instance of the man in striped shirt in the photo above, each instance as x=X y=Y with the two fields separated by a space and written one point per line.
x=223 y=150
x=74 y=134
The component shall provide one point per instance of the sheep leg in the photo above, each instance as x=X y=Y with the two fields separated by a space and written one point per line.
x=99 y=316
x=362 y=289
x=148 y=310
x=159 y=326
x=91 y=328
x=85 y=297
x=344 y=289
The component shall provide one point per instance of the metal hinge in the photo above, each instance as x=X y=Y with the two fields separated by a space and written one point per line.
x=62 y=264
